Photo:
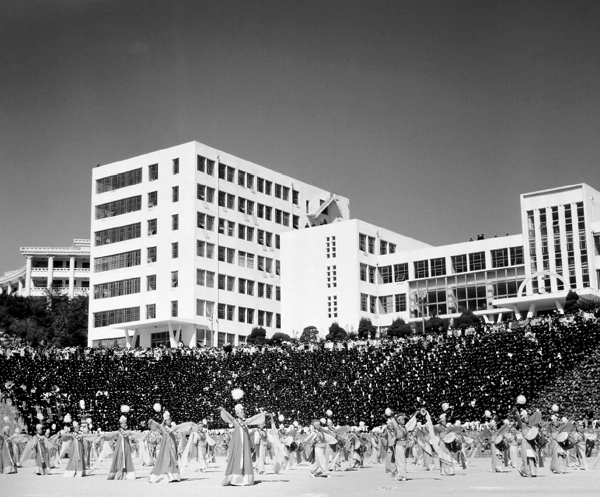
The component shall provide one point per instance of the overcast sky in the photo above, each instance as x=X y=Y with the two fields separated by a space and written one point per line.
x=431 y=116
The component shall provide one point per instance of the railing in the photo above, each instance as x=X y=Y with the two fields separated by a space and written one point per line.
x=75 y=251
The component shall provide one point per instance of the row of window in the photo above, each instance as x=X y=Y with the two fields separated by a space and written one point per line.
x=247 y=180
x=118 y=207
x=117 y=261
x=117 y=288
x=116 y=316
x=387 y=304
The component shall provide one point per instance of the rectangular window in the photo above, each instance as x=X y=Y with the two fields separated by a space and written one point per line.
x=268 y=187
x=296 y=222
x=477 y=261
x=230 y=283
x=386 y=304
x=269 y=319
x=119 y=207
x=278 y=216
x=400 y=302
x=152 y=227
x=383 y=247
x=242 y=205
x=153 y=172
x=174 y=250
x=285 y=193
x=205 y=221
x=438 y=266
x=363 y=272
x=174 y=279
x=151 y=255
x=207 y=194
x=277 y=191
x=261 y=290
x=175 y=194
x=277 y=293
x=459 y=264
x=175 y=222
x=150 y=282
x=230 y=256
x=385 y=274
x=175 y=166
x=268 y=213
x=152 y=199
x=295 y=197
x=421 y=269
x=151 y=311
x=241 y=178
x=260 y=185
x=392 y=248
x=119 y=234
x=230 y=174
x=371 y=245
x=117 y=288
x=400 y=272
x=364 y=302
x=499 y=258
x=362 y=242
x=116 y=316
x=174 y=308
x=118 y=181
x=371 y=274
x=230 y=312
x=516 y=256
x=222 y=171
x=204 y=249
x=117 y=261
x=250 y=181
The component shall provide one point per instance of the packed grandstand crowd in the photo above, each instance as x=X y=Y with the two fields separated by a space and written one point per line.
x=550 y=360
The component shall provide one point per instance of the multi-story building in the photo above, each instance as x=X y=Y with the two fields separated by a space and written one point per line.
x=66 y=269
x=355 y=269
x=186 y=246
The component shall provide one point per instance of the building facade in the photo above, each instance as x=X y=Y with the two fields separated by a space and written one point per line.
x=381 y=275
x=65 y=269
x=186 y=246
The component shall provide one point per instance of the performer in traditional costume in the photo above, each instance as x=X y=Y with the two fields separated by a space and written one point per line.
x=165 y=467
x=260 y=439
x=38 y=447
x=77 y=455
x=239 y=470
x=317 y=440
x=442 y=443
x=529 y=444
x=7 y=457
x=398 y=431
x=121 y=467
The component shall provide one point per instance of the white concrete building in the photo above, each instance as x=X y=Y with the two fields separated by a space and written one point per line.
x=186 y=246
x=66 y=269
x=353 y=269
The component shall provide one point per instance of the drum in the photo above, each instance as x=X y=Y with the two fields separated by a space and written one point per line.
x=500 y=443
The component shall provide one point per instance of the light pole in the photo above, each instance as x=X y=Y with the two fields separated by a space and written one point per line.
x=422 y=300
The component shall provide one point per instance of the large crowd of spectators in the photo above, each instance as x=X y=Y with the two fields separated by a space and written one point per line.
x=550 y=360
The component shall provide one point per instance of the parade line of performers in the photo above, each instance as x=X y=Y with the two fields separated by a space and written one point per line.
x=527 y=444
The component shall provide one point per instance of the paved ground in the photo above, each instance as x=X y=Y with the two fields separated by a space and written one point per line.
x=478 y=481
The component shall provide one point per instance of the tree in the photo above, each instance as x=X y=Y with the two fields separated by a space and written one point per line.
x=309 y=334
x=571 y=301
x=436 y=324
x=399 y=329
x=279 y=337
x=258 y=336
x=366 y=329
x=466 y=319
x=336 y=333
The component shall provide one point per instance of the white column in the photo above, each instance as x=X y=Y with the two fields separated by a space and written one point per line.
x=20 y=290
x=9 y=289
x=50 y=269
x=28 y=276
x=71 y=277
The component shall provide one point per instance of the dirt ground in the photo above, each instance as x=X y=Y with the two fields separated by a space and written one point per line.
x=297 y=482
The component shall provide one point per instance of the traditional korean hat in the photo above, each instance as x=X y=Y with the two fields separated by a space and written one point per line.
x=122 y=419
